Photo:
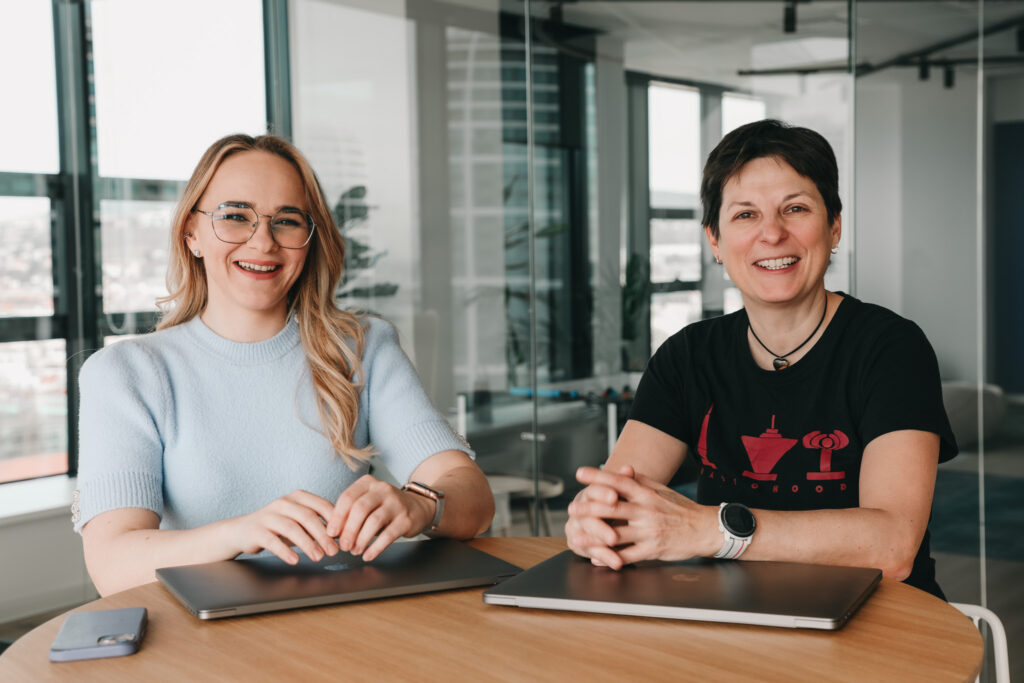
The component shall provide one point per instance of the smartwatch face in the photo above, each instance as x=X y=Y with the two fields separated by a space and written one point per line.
x=738 y=519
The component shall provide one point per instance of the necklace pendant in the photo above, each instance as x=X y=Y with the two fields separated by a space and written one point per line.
x=780 y=363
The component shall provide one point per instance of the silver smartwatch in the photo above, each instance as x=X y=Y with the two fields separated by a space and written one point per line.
x=422 y=489
x=737 y=524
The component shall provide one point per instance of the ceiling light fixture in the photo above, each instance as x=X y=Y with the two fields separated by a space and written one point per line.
x=948 y=76
x=924 y=70
x=789 y=17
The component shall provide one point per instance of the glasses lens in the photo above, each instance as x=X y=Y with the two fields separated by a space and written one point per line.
x=233 y=222
x=291 y=228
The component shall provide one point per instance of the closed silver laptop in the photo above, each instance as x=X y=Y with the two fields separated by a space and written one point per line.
x=266 y=584
x=741 y=592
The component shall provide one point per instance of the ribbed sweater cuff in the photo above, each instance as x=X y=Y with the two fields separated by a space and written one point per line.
x=115 y=491
x=422 y=441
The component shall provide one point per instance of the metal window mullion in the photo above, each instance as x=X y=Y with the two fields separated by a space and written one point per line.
x=277 y=67
x=73 y=225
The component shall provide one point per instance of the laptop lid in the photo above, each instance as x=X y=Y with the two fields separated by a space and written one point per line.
x=266 y=584
x=741 y=592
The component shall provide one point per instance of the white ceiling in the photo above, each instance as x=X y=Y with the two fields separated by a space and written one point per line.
x=712 y=40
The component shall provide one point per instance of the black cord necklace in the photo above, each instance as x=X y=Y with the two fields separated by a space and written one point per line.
x=780 y=362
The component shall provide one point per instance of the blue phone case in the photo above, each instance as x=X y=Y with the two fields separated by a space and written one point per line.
x=106 y=633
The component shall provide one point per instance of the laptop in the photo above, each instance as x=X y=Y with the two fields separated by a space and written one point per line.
x=266 y=584
x=763 y=593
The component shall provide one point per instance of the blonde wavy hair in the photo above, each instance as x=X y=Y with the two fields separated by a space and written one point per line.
x=324 y=328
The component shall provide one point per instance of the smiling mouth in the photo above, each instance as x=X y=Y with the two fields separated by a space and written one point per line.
x=256 y=268
x=776 y=263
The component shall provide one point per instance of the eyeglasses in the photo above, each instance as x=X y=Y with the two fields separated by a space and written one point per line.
x=236 y=223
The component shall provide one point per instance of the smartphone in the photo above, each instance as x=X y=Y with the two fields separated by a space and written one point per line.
x=105 y=633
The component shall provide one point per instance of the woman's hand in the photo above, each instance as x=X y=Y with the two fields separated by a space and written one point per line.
x=590 y=535
x=626 y=517
x=293 y=520
x=371 y=507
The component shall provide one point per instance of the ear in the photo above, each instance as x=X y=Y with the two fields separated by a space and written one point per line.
x=713 y=241
x=837 y=230
x=190 y=233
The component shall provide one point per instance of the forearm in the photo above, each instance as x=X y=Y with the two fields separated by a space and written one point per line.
x=119 y=558
x=469 y=503
x=861 y=537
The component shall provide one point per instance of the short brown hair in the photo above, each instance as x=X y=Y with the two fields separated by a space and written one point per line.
x=805 y=150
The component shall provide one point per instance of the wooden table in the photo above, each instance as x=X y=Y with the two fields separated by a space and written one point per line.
x=900 y=634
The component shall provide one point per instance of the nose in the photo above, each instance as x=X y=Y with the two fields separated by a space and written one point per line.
x=773 y=230
x=263 y=238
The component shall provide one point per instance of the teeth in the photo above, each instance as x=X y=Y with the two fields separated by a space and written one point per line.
x=777 y=263
x=256 y=268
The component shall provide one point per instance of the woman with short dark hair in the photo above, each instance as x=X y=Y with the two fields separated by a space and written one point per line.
x=817 y=419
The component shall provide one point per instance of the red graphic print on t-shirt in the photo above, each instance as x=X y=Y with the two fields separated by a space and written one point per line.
x=765 y=451
x=702 y=441
x=826 y=443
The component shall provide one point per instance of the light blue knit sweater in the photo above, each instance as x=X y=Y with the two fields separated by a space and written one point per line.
x=198 y=428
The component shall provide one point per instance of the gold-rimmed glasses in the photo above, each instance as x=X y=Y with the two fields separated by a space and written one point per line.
x=236 y=223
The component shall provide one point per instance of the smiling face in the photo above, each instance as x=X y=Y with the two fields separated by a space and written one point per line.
x=774 y=234
x=248 y=283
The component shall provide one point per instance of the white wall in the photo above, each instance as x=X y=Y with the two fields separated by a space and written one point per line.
x=41 y=562
x=916 y=208
x=878 y=246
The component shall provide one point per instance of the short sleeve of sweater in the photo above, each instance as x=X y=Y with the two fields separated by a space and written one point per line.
x=660 y=400
x=120 y=456
x=902 y=389
x=404 y=427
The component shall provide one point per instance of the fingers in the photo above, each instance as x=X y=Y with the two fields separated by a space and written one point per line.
x=372 y=508
x=623 y=483
x=338 y=517
x=591 y=536
x=311 y=511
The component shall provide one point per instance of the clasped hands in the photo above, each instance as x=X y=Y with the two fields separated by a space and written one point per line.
x=368 y=509
x=625 y=517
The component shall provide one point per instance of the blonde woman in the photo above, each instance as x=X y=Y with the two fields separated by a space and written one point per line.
x=247 y=421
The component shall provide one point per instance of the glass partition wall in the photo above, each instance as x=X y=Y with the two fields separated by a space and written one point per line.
x=524 y=199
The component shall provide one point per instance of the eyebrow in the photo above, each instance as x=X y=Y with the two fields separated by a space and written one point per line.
x=238 y=203
x=784 y=199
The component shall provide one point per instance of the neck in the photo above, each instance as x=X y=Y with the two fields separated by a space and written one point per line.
x=245 y=326
x=783 y=328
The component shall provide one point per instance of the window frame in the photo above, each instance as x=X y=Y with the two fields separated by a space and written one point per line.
x=76 y=190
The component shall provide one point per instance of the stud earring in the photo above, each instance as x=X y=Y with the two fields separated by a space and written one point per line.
x=195 y=252
x=835 y=249
x=718 y=260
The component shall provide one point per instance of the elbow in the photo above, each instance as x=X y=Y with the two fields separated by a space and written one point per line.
x=898 y=563
x=486 y=514
x=899 y=571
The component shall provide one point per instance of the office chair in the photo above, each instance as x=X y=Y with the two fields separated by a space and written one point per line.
x=979 y=614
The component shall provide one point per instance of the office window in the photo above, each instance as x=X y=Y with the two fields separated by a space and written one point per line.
x=33 y=403
x=26 y=276
x=674 y=148
x=33 y=409
x=94 y=158
x=28 y=119
x=738 y=110
x=135 y=250
x=675 y=159
x=163 y=95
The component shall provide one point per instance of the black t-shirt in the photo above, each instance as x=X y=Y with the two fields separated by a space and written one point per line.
x=794 y=439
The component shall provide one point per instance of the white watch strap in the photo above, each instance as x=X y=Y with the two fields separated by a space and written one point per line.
x=732 y=546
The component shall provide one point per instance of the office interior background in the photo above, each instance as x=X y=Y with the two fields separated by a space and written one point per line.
x=520 y=198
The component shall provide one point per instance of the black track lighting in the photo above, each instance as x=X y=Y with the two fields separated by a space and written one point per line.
x=789 y=17
x=1020 y=39
x=924 y=70
x=948 y=76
